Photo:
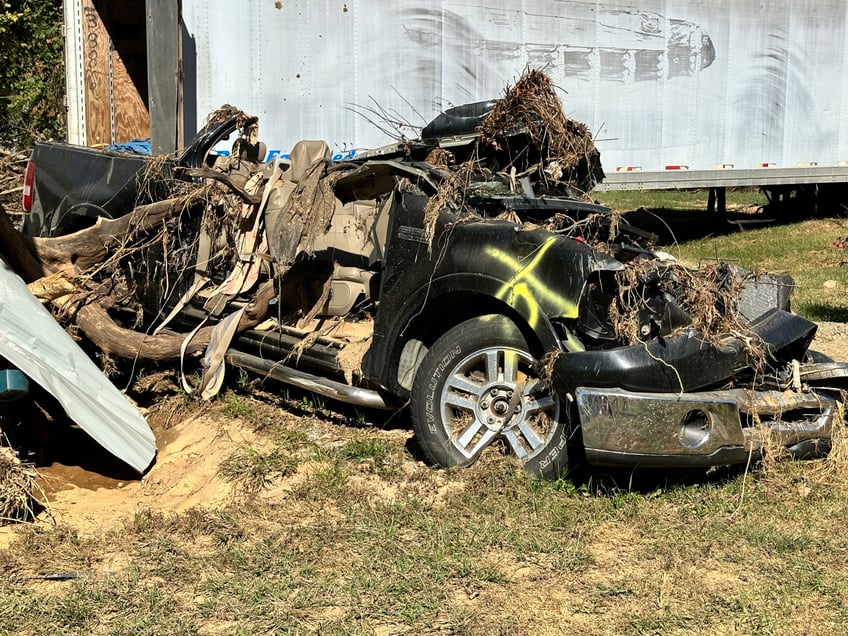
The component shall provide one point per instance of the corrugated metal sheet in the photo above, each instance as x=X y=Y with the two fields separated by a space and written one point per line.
x=32 y=340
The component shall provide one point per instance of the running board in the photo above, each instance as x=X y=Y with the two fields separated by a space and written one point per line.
x=322 y=386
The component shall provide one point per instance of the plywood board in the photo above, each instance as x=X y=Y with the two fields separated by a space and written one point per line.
x=132 y=120
x=95 y=43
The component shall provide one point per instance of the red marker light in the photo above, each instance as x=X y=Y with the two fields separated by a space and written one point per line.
x=29 y=187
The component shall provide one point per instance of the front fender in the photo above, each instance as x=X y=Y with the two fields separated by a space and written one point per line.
x=538 y=273
x=476 y=288
x=442 y=303
x=686 y=361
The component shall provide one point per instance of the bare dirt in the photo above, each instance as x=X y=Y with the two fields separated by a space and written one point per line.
x=832 y=340
x=190 y=451
x=184 y=475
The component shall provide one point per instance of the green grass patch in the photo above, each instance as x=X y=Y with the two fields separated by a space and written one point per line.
x=677 y=199
x=496 y=552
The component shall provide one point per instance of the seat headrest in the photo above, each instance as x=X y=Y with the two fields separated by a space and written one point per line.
x=243 y=150
x=304 y=153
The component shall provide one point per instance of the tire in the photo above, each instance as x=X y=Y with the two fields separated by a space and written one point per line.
x=468 y=384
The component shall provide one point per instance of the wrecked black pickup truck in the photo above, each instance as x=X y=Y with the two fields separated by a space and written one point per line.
x=468 y=275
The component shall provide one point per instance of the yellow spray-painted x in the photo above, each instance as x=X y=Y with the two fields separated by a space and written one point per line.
x=525 y=286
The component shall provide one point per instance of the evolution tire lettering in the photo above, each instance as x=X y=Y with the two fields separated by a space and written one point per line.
x=433 y=383
x=553 y=453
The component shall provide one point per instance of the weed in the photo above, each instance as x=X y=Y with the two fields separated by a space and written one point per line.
x=312 y=402
x=372 y=454
x=236 y=406
x=252 y=471
x=245 y=382
x=327 y=481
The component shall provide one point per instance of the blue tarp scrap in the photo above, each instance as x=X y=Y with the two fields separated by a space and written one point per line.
x=134 y=146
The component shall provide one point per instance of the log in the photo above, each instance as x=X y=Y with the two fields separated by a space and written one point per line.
x=33 y=258
x=98 y=326
x=52 y=288
x=91 y=246
x=45 y=264
x=216 y=175
x=113 y=340
x=19 y=251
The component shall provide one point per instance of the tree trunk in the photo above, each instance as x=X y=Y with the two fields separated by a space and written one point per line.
x=114 y=340
x=72 y=254
x=19 y=251
x=92 y=245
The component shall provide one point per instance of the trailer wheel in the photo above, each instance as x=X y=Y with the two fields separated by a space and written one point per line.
x=480 y=383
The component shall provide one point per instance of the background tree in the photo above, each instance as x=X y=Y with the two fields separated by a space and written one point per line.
x=32 y=75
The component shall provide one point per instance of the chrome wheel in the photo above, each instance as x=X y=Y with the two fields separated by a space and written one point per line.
x=496 y=392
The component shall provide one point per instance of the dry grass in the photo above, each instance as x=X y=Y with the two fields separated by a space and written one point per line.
x=21 y=495
x=833 y=470
x=561 y=150
x=336 y=528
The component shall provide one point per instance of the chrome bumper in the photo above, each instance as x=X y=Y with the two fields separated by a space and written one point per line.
x=711 y=428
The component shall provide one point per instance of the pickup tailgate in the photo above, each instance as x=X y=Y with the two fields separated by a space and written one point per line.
x=74 y=185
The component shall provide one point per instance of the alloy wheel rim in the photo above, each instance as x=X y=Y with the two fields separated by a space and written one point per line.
x=495 y=393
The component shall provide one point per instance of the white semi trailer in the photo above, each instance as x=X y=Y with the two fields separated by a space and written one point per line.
x=679 y=93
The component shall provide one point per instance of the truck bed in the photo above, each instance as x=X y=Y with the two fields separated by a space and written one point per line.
x=75 y=185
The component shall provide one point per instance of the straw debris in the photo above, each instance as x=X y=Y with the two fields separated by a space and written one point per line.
x=558 y=151
x=20 y=493
x=709 y=295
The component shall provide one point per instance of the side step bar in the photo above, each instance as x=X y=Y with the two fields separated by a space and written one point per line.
x=322 y=386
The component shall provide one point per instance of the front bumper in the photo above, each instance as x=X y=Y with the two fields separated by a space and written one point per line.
x=701 y=429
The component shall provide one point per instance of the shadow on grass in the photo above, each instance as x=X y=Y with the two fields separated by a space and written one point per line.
x=645 y=481
x=819 y=312
x=680 y=225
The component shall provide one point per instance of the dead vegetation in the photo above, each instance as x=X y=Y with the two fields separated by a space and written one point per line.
x=90 y=275
x=557 y=151
x=21 y=495
x=12 y=168
x=530 y=145
x=709 y=295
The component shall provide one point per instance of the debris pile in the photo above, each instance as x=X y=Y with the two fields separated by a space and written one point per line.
x=531 y=135
x=12 y=168
x=294 y=250
x=709 y=296
x=528 y=144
